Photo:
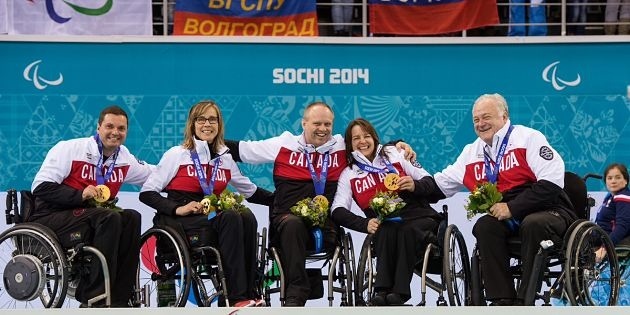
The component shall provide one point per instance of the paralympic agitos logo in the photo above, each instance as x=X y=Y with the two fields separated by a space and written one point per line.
x=50 y=9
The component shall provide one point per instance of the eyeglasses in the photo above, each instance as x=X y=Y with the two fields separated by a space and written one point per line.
x=202 y=120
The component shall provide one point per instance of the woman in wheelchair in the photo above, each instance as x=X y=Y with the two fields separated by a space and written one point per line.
x=399 y=241
x=200 y=167
x=614 y=214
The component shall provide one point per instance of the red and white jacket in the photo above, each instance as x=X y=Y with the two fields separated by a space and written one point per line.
x=531 y=173
x=176 y=175
x=360 y=186
x=70 y=166
x=291 y=175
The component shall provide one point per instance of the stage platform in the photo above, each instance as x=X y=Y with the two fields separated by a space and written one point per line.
x=469 y=310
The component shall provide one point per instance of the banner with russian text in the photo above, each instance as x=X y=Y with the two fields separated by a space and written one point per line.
x=247 y=18
x=80 y=17
x=430 y=17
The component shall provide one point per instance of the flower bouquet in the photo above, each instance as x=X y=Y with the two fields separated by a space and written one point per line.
x=387 y=205
x=313 y=211
x=227 y=200
x=108 y=204
x=481 y=199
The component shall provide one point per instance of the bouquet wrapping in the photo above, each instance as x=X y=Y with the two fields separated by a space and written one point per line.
x=108 y=204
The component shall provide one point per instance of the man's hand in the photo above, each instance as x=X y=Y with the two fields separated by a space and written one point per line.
x=373 y=225
x=500 y=211
x=409 y=153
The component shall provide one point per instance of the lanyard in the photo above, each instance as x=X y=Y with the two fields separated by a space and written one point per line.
x=100 y=178
x=493 y=173
x=201 y=175
x=319 y=182
x=371 y=169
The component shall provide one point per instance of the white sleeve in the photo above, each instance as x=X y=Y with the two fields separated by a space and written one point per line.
x=451 y=179
x=262 y=151
x=239 y=181
x=543 y=160
x=139 y=171
x=163 y=172
x=56 y=165
x=343 y=196
x=416 y=172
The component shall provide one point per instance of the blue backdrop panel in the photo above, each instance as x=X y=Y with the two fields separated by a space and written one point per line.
x=575 y=93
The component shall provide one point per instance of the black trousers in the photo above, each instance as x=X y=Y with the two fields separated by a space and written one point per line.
x=294 y=238
x=235 y=234
x=492 y=236
x=398 y=247
x=117 y=236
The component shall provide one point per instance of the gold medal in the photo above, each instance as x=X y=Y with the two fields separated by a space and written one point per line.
x=103 y=193
x=391 y=181
x=207 y=206
x=321 y=200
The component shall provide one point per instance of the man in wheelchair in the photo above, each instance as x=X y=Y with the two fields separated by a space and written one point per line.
x=530 y=175
x=75 y=195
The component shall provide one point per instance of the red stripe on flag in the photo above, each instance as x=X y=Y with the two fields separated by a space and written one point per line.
x=432 y=19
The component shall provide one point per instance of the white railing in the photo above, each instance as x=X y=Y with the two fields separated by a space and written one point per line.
x=589 y=21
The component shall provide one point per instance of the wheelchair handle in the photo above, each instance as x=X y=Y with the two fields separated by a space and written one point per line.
x=592 y=175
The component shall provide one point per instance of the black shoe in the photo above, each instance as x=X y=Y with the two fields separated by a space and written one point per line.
x=503 y=302
x=293 y=301
x=394 y=299
x=380 y=299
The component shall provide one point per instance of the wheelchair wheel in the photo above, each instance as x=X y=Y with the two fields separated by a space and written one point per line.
x=456 y=267
x=623 y=256
x=165 y=266
x=366 y=274
x=35 y=267
x=348 y=261
x=591 y=282
x=207 y=288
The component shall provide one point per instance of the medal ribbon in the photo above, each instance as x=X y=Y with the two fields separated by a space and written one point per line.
x=318 y=182
x=319 y=239
x=201 y=175
x=100 y=178
x=371 y=169
x=493 y=173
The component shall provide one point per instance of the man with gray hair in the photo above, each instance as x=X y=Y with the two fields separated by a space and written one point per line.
x=530 y=175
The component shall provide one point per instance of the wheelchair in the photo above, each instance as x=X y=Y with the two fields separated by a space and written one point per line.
x=446 y=260
x=41 y=268
x=177 y=268
x=568 y=270
x=335 y=265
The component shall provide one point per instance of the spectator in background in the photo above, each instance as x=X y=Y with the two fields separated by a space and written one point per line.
x=614 y=215
x=537 y=18
x=342 y=15
x=617 y=11
x=576 y=17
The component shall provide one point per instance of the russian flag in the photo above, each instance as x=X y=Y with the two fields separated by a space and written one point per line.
x=430 y=17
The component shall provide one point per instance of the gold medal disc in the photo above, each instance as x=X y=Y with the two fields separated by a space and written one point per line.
x=321 y=200
x=391 y=181
x=103 y=193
